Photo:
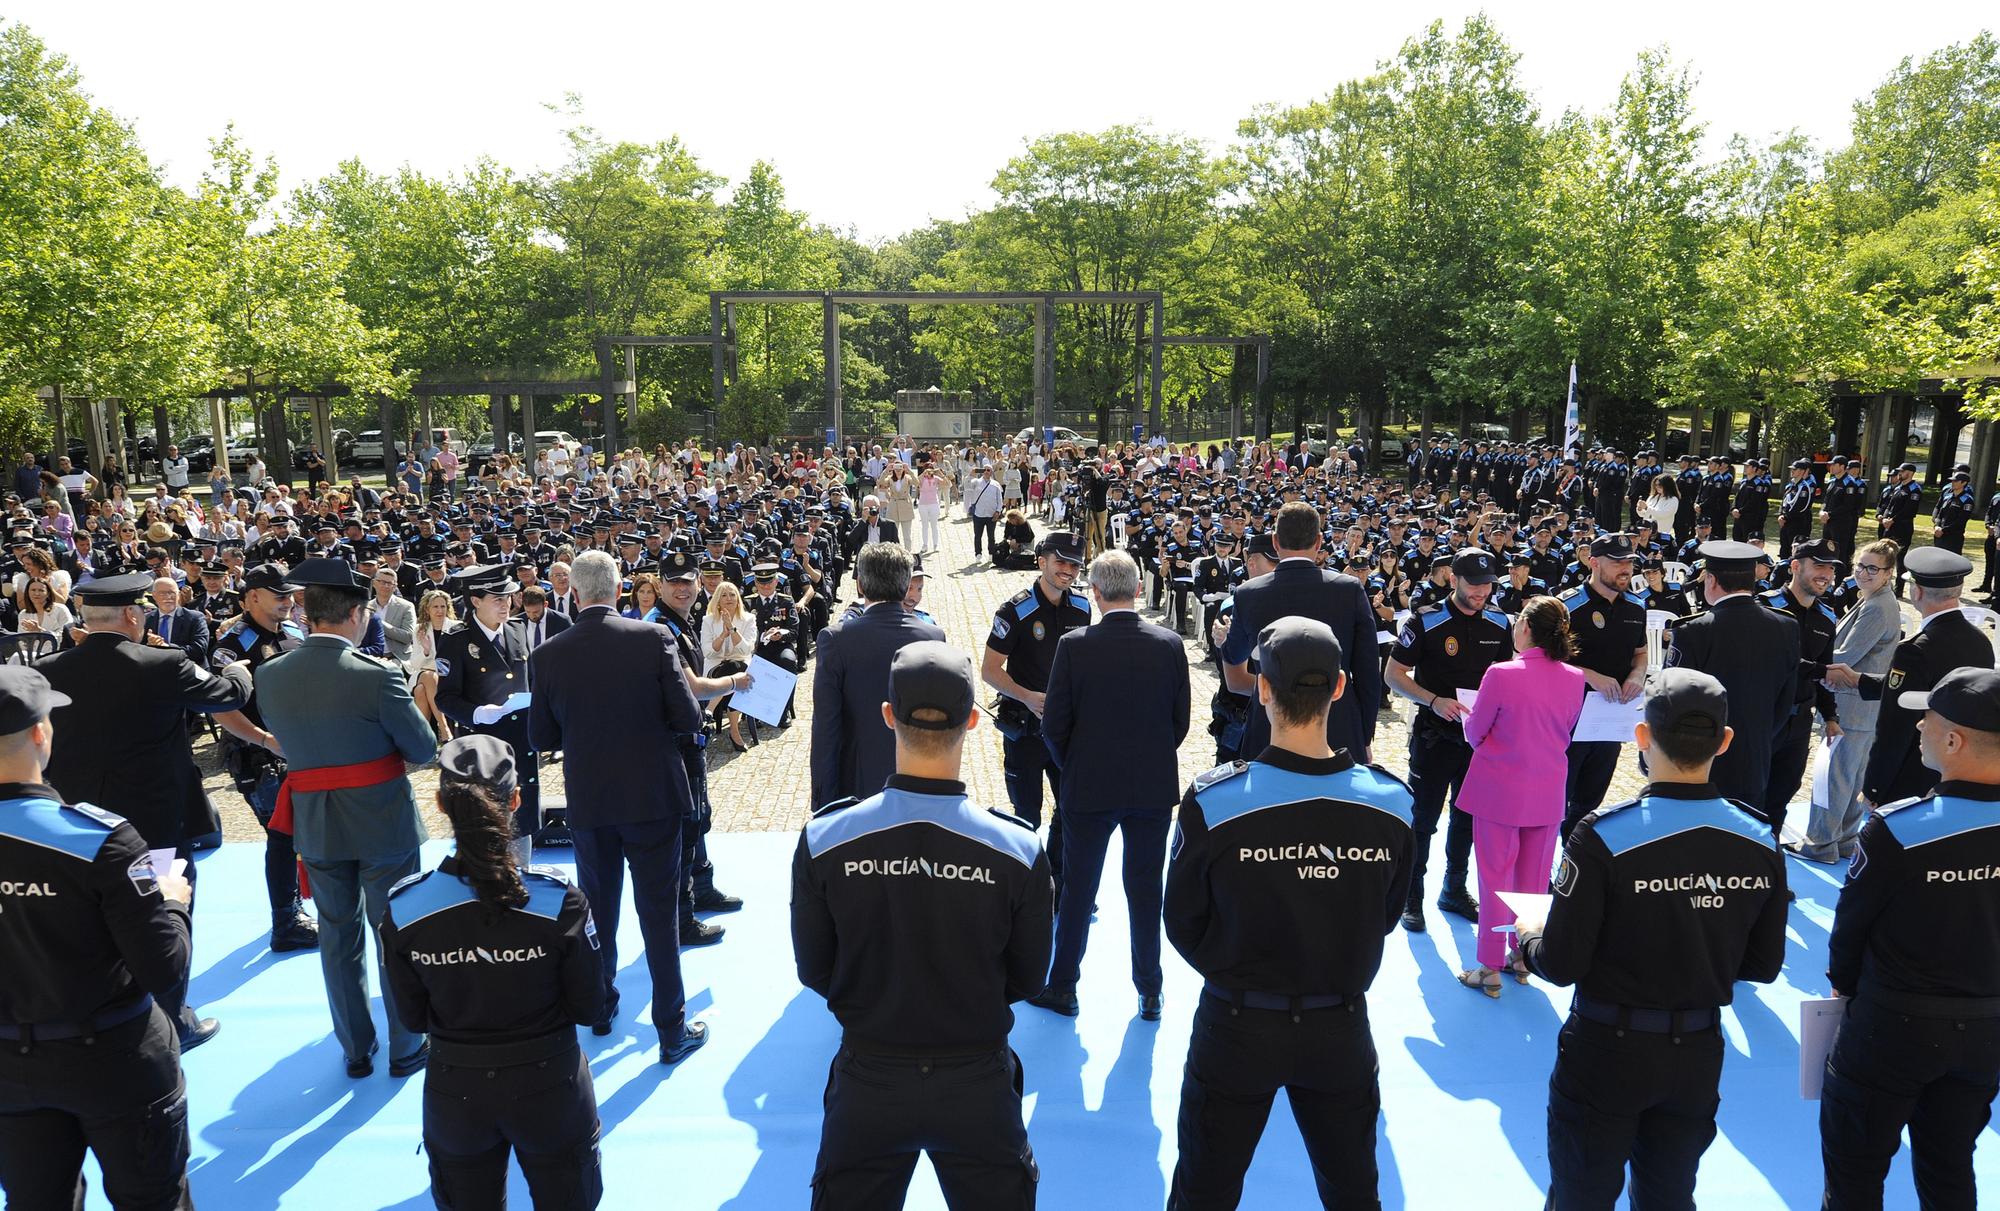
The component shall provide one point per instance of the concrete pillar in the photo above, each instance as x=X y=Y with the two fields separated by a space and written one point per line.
x=424 y=425
x=830 y=351
x=715 y=356
x=1159 y=355
x=1044 y=360
x=528 y=450
x=496 y=410
x=218 y=428
x=1263 y=404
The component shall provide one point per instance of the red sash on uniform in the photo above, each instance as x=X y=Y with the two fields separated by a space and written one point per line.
x=330 y=778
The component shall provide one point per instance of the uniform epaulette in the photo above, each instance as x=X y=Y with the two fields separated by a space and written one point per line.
x=1576 y=597
x=1219 y=774
x=1635 y=599
x=92 y=812
x=1610 y=809
x=1021 y=596
x=555 y=874
x=1011 y=818
x=409 y=881
x=1776 y=597
x=1387 y=773
x=1900 y=804
x=1828 y=611
x=827 y=809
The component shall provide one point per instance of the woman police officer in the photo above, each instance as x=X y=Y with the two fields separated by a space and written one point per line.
x=499 y=965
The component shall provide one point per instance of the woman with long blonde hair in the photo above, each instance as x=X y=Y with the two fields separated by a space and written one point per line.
x=435 y=617
x=728 y=638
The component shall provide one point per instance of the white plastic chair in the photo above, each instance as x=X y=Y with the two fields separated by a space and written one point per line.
x=1656 y=637
x=1986 y=620
x=1912 y=620
x=1677 y=572
x=1117 y=528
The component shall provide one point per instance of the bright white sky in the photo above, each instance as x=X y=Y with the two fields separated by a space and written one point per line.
x=883 y=113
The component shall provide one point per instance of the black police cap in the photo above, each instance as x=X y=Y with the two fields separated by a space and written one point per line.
x=113 y=591
x=1969 y=697
x=930 y=686
x=327 y=573
x=269 y=576
x=1686 y=702
x=1819 y=550
x=1063 y=545
x=1295 y=653
x=678 y=565
x=485 y=580
x=1612 y=546
x=1474 y=567
x=480 y=760
x=25 y=698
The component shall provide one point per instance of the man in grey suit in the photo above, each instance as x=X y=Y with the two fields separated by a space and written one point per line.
x=1113 y=720
x=1865 y=641
x=853 y=752
x=610 y=693
x=347 y=725
x=396 y=613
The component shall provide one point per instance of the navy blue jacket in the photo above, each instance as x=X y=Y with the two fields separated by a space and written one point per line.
x=853 y=751
x=1116 y=713
x=1302 y=588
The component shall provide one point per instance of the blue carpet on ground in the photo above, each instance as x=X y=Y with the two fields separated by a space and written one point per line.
x=276 y=1123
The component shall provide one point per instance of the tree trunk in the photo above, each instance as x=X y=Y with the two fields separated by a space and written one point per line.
x=1694 y=431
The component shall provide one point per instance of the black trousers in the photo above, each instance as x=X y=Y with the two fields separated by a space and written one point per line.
x=1086 y=835
x=1950 y=540
x=1238 y=1059
x=1025 y=764
x=1792 y=531
x=174 y=1002
x=1789 y=751
x=982 y=533
x=1748 y=527
x=120 y=1095
x=653 y=848
x=1888 y=1071
x=1437 y=769
x=694 y=826
x=281 y=856
x=965 y=1111
x=1592 y=763
x=545 y=1113
x=1619 y=1097
x=1987 y=545
x=1840 y=532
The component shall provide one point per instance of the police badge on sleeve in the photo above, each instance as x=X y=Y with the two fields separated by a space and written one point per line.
x=144 y=878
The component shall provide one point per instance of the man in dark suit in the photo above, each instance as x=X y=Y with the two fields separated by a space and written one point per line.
x=120 y=743
x=1113 y=720
x=1754 y=653
x=171 y=624
x=1946 y=640
x=541 y=622
x=872 y=528
x=853 y=751
x=1299 y=586
x=609 y=693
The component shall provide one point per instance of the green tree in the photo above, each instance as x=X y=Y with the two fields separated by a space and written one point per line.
x=1918 y=138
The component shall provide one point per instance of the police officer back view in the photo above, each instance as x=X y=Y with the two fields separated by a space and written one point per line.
x=1919 y=1045
x=89 y=935
x=1661 y=905
x=921 y=919
x=1287 y=873
x=499 y=964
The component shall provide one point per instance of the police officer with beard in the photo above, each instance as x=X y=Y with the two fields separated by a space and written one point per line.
x=921 y=918
x=1020 y=650
x=1811 y=575
x=1661 y=905
x=499 y=965
x=1915 y=953
x=1302 y=833
x=698 y=890
x=90 y=934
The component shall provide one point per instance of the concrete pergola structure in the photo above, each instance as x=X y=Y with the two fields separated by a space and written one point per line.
x=1260 y=411
x=721 y=337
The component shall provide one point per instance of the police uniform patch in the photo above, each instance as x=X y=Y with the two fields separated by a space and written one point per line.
x=1565 y=882
x=590 y=929
x=1597 y=620
x=443 y=666
x=1409 y=635
x=1895 y=679
x=142 y=875
x=1000 y=626
x=1041 y=632
x=1859 y=860
x=1451 y=645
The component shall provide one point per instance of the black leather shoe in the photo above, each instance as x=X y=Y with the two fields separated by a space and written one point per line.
x=707 y=898
x=412 y=1063
x=1150 y=1005
x=300 y=932
x=202 y=1032
x=1413 y=918
x=356 y=1069
x=1459 y=904
x=1064 y=1003
x=699 y=933
x=602 y=1026
x=691 y=1040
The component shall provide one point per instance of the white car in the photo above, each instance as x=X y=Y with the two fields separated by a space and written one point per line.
x=367 y=450
x=1062 y=435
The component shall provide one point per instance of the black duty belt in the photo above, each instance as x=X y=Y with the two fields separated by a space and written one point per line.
x=30 y=1033
x=1243 y=999
x=1924 y=1005
x=503 y=1055
x=1646 y=1021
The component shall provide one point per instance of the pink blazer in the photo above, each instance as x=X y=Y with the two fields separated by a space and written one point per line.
x=1519 y=731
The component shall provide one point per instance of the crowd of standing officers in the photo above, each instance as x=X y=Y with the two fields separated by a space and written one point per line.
x=1501 y=593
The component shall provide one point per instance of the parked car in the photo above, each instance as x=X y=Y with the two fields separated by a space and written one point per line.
x=481 y=455
x=439 y=437
x=198 y=449
x=1062 y=435
x=241 y=451
x=1393 y=450
x=368 y=448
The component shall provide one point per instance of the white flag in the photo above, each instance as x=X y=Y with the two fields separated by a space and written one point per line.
x=1572 y=445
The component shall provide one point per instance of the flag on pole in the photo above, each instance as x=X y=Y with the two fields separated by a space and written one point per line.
x=1572 y=445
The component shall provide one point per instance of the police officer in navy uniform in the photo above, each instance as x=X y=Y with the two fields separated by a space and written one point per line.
x=1803 y=597
x=1896 y=512
x=481 y=666
x=1946 y=640
x=698 y=890
x=1845 y=498
x=1914 y=952
x=499 y=965
x=1301 y=833
x=1955 y=507
x=263 y=632
x=780 y=624
x=1019 y=652
x=1661 y=905
x=1608 y=624
x=1795 y=509
x=921 y=918
x=1443 y=649
x=90 y=934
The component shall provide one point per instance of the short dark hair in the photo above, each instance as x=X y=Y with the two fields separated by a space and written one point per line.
x=1301 y=705
x=1685 y=751
x=882 y=571
x=1297 y=528
x=1734 y=580
x=329 y=606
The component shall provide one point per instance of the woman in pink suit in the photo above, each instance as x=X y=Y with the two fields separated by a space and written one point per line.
x=1519 y=731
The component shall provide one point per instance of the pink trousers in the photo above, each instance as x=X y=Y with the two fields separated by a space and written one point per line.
x=1511 y=858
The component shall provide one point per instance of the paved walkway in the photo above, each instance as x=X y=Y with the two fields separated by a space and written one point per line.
x=767 y=788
